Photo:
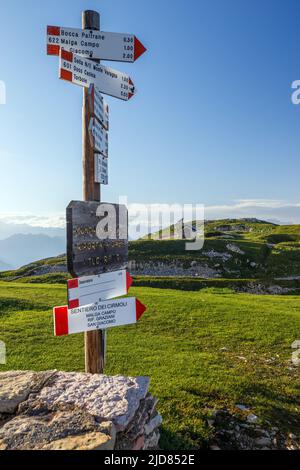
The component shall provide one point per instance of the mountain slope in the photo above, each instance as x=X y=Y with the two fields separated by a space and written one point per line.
x=234 y=250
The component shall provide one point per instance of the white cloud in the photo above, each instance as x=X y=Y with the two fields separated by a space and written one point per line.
x=265 y=209
x=46 y=221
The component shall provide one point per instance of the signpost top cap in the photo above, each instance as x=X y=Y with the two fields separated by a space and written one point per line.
x=91 y=20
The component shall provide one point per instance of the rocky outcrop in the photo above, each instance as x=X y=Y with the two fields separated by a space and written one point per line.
x=71 y=411
x=258 y=288
x=235 y=249
x=49 y=269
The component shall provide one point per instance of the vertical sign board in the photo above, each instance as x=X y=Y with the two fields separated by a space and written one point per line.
x=99 y=137
x=98 y=106
x=101 y=169
x=97 y=238
x=94 y=44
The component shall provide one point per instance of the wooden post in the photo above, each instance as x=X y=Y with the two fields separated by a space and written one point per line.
x=94 y=340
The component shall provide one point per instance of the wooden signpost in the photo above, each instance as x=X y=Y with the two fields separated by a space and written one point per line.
x=97 y=233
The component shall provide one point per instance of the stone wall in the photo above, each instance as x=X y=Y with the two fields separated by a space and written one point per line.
x=72 y=411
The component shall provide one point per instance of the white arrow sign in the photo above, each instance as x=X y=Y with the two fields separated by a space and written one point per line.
x=85 y=72
x=108 y=314
x=99 y=137
x=98 y=106
x=101 y=169
x=94 y=44
x=92 y=289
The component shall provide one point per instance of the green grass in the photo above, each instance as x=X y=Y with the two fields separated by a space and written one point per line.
x=177 y=344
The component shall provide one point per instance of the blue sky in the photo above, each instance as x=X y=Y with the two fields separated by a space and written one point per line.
x=212 y=122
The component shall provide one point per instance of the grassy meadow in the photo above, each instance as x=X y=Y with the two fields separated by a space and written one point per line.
x=179 y=344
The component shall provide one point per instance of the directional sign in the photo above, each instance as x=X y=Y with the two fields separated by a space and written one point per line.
x=101 y=169
x=97 y=238
x=98 y=106
x=94 y=289
x=98 y=137
x=108 y=314
x=85 y=72
x=94 y=44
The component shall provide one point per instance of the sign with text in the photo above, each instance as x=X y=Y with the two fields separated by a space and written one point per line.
x=85 y=72
x=94 y=44
x=94 y=289
x=101 y=169
x=97 y=238
x=98 y=106
x=108 y=314
x=99 y=137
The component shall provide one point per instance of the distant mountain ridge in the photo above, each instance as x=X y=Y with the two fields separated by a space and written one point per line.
x=21 y=249
x=9 y=229
x=4 y=266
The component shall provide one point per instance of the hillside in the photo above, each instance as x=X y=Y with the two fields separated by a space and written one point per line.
x=234 y=252
x=246 y=248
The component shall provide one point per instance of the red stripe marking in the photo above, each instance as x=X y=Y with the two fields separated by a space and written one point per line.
x=73 y=304
x=61 y=322
x=140 y=309
x=66 y=75
x=66 y=55
x=73 y=283
x=131 y=82
x=53 y=30
x=130 y=95
x=139 y=49
x=129 y=281
x=53 y=49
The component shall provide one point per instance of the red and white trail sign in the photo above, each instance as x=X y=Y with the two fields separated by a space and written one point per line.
x=92 y=289
x=98 y=106
x=94 y=44
x=108 y=314
x=85 y=72
x=99 y=137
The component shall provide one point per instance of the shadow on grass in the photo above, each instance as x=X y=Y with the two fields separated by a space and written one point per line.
x=275 y=406
x=181 y=441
